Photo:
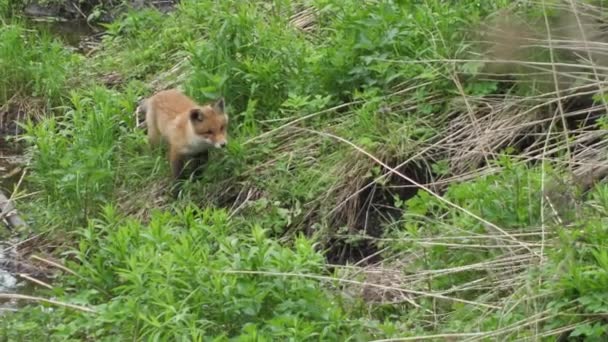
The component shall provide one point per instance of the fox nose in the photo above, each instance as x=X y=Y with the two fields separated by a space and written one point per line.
x=220 y=144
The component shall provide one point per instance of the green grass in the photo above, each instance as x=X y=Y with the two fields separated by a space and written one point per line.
x=34 y=65
x=379 y=134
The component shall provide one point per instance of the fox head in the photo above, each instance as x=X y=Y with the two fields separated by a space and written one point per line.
x=210 y=123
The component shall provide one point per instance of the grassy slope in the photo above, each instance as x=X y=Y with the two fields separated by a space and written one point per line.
x=491 y=256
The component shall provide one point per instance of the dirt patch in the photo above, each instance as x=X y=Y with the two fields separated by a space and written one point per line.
x=11 y=166
x=11 y=159
x=16 y=258
x=10 y=115
x=93 y=10
x=23 y=270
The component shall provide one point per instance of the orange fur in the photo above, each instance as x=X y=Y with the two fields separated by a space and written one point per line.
x=189 y=128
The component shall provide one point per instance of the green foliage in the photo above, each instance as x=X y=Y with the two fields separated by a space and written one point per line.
x=142 y=43
x=506 y=199
x=251 y=53
x=6 y=9
x=32 y=65
x=575 y=274
x=583 y=267
x=171 y=279
x=75 y=157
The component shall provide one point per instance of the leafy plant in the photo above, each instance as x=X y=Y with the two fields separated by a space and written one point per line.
x=188 y=275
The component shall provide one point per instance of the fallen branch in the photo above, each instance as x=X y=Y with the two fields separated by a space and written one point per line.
x=54 y=264
x=45 y=300
x=36 y=281
x=354 y=282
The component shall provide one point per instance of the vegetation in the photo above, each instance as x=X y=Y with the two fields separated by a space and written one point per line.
x=395 y=169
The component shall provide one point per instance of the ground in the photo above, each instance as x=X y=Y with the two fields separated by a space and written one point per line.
x=395 y=171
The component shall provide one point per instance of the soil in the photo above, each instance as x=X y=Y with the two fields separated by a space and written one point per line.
x=104 y=11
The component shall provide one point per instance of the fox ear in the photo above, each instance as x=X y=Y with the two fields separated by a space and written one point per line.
x=196 y=114
x=219 y=105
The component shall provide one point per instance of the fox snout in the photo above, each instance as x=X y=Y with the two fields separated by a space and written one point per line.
x=220 y=144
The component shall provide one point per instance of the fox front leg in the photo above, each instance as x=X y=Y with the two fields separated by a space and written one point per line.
x=178 y=163
x=199 y=161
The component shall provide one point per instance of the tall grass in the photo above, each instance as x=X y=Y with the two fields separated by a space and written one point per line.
x=33 y=65
x=76 y=156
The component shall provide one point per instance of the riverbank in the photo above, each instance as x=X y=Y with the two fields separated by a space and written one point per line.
x=385 y=177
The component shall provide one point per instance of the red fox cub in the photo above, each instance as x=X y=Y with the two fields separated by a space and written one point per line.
x=190 y=129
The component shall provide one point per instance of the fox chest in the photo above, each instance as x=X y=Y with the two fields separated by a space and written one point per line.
x=195 y=144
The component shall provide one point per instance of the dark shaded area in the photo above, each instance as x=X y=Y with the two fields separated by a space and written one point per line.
x=73 y=33
x=376 y=209
x=10 y=151
x=89 y=10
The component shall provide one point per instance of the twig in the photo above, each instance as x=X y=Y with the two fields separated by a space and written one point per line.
x=291 y=123
x=442 y=337
x=34 y=280
x=54 y=264
x=6 y=249
x=348 y=281
x=45 y=300
x=243 y=204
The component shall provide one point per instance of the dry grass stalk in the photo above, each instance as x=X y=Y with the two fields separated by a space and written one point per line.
x=45 y=300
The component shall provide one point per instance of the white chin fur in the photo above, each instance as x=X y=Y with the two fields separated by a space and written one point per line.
x=198 y=144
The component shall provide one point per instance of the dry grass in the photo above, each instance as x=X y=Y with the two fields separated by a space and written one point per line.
x=544 y=128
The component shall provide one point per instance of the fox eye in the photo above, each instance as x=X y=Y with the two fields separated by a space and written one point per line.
x=209 y=132
x=222 y=128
